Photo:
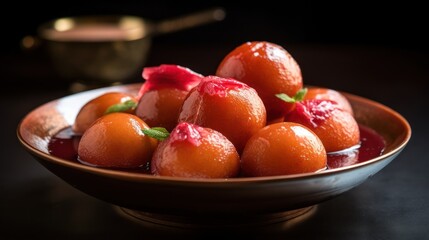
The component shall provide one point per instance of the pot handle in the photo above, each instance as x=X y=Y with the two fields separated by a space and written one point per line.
x=188 y=21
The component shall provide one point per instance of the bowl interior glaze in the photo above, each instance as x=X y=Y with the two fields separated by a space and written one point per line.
x=156 y=196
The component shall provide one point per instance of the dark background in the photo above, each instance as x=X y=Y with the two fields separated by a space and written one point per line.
x=401 y=24
x=365 y=24
x=371 y=49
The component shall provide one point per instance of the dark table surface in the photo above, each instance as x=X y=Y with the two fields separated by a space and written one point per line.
x=393 y=204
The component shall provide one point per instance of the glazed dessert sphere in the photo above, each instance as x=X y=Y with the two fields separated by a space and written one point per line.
x=282 y=149
x=195 y=152
x=266 y=67
x=225 y=105
x=116 y=140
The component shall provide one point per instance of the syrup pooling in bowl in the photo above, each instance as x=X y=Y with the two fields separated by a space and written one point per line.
x=371 y=146
x=64 y=145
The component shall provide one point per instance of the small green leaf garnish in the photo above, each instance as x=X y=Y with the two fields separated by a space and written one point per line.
x=158 y=133
x=121 y=107
x=299 y=96
x=285 y=97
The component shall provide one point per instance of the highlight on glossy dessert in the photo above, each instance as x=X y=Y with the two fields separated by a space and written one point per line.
x=252 y=118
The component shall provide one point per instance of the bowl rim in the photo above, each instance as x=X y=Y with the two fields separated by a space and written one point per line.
x=134 y=176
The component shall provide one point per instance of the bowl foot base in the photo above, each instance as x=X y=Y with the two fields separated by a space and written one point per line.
x=289 y=217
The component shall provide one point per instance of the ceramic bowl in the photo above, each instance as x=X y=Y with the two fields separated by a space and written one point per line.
x=181 y=201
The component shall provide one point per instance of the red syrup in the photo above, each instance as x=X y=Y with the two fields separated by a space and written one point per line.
x=64 y=145
x=371 y=146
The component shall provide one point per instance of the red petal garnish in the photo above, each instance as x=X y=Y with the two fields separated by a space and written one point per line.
x=313 y=111
x=214 y=85
x=187 y=132
x=171 y=76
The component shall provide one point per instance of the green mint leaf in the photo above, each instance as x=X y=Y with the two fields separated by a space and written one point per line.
x=285 y=98
x=299 y=96
x=121 y=107
x=158 y=133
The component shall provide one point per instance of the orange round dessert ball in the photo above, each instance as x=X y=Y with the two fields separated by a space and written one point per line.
x=338 y=132
x=116 y=140
x=337 y=128
x=97 y=107
x=195 y=152
x=161 y=108
x=227 y=106
x=281 y=149
x=329 y=94
x=269 y=69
